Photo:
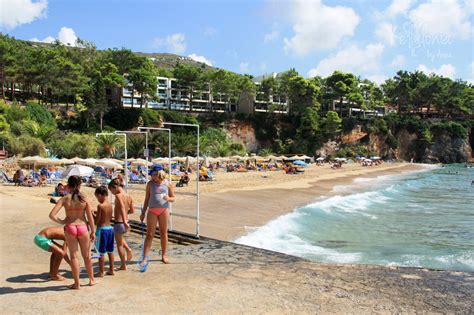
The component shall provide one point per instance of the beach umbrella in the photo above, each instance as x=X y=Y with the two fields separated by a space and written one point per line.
x=273 y=157
x=294 y=157
x=78 y=170
x=282 y=157
x=299 y=162
x=64 y=161
x=88 y=161
x=305 y=157
x=78 y=160
x=109 y=164
x=375 y=158
x=141 y=162
x=320 y=159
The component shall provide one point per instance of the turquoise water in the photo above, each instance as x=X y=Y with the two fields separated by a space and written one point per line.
x=419 y=219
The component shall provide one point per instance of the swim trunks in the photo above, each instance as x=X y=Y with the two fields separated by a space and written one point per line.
x=119 y=227
x=105 y=239
x=43 y=242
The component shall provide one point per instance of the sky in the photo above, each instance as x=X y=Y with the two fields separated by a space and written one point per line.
x=373 y=39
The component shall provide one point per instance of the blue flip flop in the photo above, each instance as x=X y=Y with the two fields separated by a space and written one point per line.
x=143 y=264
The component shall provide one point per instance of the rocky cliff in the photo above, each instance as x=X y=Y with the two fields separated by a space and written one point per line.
x=244 y=132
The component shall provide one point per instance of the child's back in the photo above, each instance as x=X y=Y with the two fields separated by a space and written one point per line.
x=104 y=214
x=105 y=232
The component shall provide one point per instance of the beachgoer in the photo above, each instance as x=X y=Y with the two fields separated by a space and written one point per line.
x=105 y=232
x=45 y=239
x=121 y=219
x=78 y=217
x=18 y=177
x=159 y=193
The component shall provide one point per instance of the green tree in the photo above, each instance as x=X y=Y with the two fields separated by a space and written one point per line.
x=189 y=79
x=109 y=143
x=332 y=124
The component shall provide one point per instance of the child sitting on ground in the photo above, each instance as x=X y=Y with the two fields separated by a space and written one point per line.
x=45 y=240
x=104 y=231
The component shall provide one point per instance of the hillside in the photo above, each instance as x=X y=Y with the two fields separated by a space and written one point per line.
x=168 y=61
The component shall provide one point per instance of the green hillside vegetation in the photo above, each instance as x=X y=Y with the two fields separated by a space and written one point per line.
x=51 y=88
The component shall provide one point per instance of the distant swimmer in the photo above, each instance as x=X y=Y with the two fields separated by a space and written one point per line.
x=472 y=183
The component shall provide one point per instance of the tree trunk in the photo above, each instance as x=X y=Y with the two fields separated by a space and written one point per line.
x=13 y=90
x=191 y=100
x=3 y=89
x=133 y=94
x=101 y=120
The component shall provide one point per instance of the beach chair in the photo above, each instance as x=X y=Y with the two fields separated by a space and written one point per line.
x=5 y=179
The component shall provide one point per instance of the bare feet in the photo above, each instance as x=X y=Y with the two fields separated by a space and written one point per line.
x=129 y=255
x=123 y=267
x=99 y=275
x=57 y=277
x=110 y=272
x=165 y=260
x=91 y=282
x=74 y=286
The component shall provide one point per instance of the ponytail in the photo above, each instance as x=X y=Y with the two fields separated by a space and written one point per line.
x=74 y=182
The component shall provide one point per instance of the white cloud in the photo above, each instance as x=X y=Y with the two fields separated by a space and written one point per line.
x=200 y=59
x=67 y=36
x=386 y=32
x=317 y=26
x=398 y=62
x=446 y=70
x=377 y=78
x=48 y=40
x=270 y=37
x=398 y=7
x=174 y=43
x=352 y=59
x=447 y=18
x=244 y=67
x=18 y=12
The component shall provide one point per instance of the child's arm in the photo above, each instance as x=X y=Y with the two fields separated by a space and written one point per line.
x=170 y=197
x=98 y=215
x=90 y=220
x=131 y=206
x=54 y=212
x=123 y=210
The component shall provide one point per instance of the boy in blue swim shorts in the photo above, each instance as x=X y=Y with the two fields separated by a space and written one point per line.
x=45 y=240
x=104 y=231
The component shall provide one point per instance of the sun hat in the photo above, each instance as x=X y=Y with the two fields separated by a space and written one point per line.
x=155 y=168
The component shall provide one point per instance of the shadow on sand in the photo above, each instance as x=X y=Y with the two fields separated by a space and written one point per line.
x=9 y=290
x=31 y=278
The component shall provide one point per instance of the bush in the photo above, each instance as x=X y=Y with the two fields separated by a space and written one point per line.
x=352 y=151
x=73 y=144
x=40 y=114
x=452 y=128
x=16 y=113
x=25 y=145
x=348 y=124
x=4 y=126
x=151 y=118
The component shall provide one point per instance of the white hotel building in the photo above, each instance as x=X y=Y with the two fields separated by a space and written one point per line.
x=174 y=98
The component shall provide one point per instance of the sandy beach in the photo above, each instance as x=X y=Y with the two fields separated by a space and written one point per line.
x=236 y=201
x=218 y=276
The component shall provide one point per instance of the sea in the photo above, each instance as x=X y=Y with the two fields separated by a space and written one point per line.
x=418 y=219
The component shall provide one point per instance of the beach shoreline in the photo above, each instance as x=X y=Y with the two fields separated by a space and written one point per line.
x=238 y=202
